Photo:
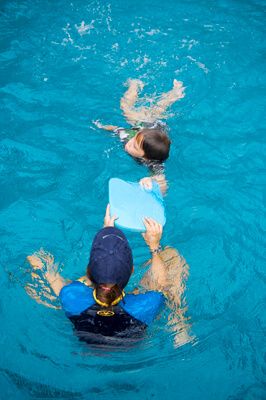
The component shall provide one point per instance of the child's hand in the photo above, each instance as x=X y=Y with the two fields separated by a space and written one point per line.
x=98 y=123
x=153 y=233
x=146 y=183
x=108 y=220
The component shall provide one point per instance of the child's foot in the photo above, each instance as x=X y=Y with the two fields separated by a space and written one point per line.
x=178 y=88
x=177 y=84
x=135 y=83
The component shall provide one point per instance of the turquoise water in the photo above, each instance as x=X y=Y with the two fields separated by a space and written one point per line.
x=63 y=65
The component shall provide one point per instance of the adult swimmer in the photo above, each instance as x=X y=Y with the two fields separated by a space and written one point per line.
x=96 y=303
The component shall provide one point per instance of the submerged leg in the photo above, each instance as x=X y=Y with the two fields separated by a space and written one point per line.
x=176 y=271
x=177 y=275
x=174 y=286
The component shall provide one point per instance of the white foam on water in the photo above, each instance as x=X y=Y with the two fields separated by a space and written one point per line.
x=123 y=62
x=84 y=29
x=153 y=32
x=142 y=61
x=108 y=18
x=81 y=57
x=115 y=47
x=189 y=44
x=199 y=64
x=68 y=39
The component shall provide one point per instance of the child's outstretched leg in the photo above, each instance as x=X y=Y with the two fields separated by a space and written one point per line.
x=167 y=99
x=153 y=113
x=131 y=95
x=129 y=100
x=149 y=114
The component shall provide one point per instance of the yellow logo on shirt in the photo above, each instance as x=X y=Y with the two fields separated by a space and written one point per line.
x=105 y=313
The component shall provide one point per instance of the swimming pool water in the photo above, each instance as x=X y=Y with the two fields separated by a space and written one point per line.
x=63 y=65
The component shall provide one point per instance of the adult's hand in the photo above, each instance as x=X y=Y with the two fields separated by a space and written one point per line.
x=153 y=233
x=108 y=220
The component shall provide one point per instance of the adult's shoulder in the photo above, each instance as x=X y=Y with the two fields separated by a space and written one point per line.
x=143 y=306
x=76 y=297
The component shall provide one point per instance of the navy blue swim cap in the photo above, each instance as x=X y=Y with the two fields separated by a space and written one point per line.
x=111 y=258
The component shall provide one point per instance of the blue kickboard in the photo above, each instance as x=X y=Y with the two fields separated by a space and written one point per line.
x=131 y=203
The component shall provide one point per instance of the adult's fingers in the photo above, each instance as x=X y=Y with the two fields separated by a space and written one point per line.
x=146 y=222
x=152 y=220
x=107 y=211
x=113 y=218
x=153 y=224
x=150 y=226
x=157 y=226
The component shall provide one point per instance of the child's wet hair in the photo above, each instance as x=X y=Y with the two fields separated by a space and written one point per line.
x=155 y=143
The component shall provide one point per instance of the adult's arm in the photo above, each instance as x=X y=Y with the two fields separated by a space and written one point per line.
x=43 y=260
x=155 y=277
x=167 y=274
x=56 y=281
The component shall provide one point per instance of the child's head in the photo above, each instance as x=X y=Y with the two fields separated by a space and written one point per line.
x=151 y=144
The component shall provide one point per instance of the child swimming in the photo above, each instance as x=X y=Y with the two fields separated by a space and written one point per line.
x=146 y=140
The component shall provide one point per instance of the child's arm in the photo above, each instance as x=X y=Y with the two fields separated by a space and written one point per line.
x=124 y=134
x=99 y=125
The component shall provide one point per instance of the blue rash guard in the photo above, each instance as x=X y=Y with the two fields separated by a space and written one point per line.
x=125 y=323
